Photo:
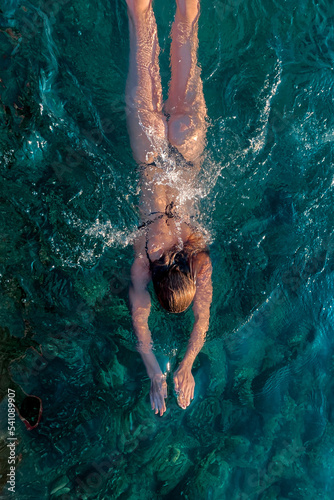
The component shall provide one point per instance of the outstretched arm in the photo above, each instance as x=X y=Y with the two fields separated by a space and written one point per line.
x=140 y=302
x=183 y=378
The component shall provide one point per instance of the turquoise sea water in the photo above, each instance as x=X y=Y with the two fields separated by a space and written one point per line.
x=261 y=424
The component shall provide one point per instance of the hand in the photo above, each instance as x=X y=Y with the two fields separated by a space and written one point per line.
x=184 y=384
x=158 y=393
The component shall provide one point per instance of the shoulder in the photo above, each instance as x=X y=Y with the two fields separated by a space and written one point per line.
x=203 y=258
x=202 y=265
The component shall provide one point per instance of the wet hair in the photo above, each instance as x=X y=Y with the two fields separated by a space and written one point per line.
x=174 y=275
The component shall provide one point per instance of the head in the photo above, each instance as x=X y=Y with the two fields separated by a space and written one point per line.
x=174 y=276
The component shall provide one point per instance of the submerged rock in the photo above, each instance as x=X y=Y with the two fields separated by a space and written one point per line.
x=200 y=420
x=173 y=469
x=210 y=479
x=218 y=366
x=59 y=484
x=91 y=287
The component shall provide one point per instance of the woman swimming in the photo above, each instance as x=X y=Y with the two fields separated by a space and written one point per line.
x=167 y=143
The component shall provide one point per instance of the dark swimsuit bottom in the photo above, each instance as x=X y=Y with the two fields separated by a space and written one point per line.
x=177 y=158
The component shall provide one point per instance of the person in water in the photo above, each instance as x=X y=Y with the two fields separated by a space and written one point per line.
x=170 y=249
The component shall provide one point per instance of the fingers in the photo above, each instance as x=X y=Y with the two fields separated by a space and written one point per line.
x=152 y=403
x=176 y=384
x=163 y=409
x=160 y=407
x=157 y=406
x=185 y=390
x=185 y=395
x=187 y=399
x=181 y=401
x=157 y=397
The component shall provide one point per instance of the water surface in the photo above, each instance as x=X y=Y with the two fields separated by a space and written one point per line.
x=260 y=426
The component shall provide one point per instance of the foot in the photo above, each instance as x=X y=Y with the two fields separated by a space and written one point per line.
x=184 y=384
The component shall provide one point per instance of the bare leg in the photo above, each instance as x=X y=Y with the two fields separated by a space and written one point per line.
x=186 y=104
x=146 y=122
